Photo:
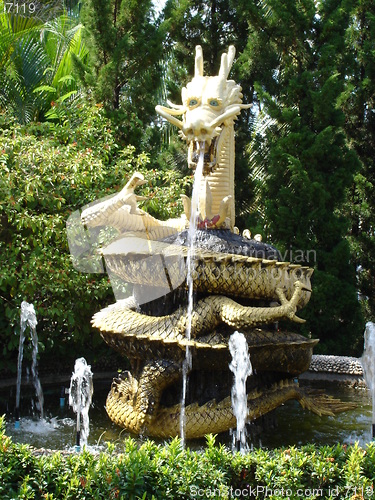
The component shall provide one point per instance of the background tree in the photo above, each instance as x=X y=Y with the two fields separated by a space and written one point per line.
x=36 y=61
x=359 y=106
x=296 y=53
x=123 y=71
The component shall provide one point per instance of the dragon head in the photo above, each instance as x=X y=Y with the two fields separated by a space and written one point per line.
x=209 y=105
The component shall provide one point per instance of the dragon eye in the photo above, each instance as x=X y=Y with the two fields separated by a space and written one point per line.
x=214 y=102
x=193 y=102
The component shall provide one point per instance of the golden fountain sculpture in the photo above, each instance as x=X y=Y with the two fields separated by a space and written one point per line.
x=239 y=284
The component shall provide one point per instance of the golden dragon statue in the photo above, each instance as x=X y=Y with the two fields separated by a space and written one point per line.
x=239 y=284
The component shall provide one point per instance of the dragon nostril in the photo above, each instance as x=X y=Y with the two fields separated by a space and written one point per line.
x=197 y=131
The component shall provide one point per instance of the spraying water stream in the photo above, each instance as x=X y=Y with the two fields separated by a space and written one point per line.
x=368 y=362
x=194 y=213
x=28 y=319
x=242 y=369
x=80 y=397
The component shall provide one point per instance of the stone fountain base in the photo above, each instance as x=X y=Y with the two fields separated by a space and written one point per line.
x=339 y=370
x=238 y=285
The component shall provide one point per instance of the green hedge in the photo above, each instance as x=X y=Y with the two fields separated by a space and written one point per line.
x=154 y=471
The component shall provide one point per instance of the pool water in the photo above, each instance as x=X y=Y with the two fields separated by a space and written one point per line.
x=58 y=429
x=288 y=425
x=296 y=426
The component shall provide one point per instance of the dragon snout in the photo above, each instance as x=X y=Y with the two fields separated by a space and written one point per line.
x=198 y=130
x=197 y=125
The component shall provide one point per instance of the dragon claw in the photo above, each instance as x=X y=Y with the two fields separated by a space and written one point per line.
x=296 y=319
x=291 y=305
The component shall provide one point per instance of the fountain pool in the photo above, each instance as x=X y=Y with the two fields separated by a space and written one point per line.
x=288 y=425
x=296 y=427
x=58 y=429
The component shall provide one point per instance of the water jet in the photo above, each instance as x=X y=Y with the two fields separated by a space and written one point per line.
x=80 y=397
x=28 y=319
x=368 y=363
x=242 y=369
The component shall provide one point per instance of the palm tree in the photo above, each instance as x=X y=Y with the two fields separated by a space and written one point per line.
x=36 y=62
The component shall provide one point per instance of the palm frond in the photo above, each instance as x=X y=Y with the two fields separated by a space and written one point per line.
x=258 y=161
x=34 y=56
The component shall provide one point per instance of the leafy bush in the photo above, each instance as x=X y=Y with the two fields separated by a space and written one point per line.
x=49 y=171
x=155 y=471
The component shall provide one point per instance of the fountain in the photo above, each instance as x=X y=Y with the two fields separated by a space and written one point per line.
x=28 y=319
x=235 y=281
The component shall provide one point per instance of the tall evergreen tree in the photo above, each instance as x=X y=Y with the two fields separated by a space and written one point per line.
x=359 y=107
x=195 y=22
x=125 y=51
x=296 y=54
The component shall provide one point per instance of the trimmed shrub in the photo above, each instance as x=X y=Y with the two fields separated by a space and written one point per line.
x=169 y=471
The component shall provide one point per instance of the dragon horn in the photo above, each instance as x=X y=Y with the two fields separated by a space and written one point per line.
x=226 y=62
x=168 y=115
x=198 y=61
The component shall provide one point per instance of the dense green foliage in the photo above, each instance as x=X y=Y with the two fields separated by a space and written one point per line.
x=36 y=62
x=43 y=180
x=152 y=471
x=359 y=106
x=48 y=172
x=123 y=69
x=304 y=154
